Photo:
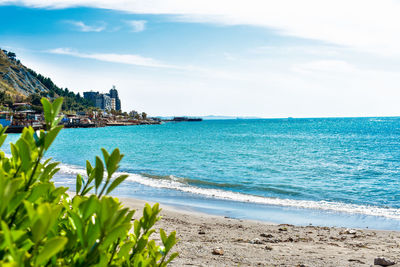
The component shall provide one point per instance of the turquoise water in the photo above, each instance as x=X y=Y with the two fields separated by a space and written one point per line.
x=341 y=171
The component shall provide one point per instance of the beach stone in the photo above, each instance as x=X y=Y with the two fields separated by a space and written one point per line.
x=383 y=261
x=256 y=241
x=266 y=235
x=283 y=229
x=350 y=232
x=218 y=251
x=269 y=248
x=202 y=232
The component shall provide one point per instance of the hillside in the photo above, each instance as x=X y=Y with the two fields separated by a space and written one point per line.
x=19 y=83
x=15 y=78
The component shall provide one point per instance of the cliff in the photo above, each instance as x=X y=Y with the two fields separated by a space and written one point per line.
x=15 y=78
x=20 y=83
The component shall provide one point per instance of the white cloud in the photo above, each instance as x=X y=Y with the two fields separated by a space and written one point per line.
x=81 y=26
x=327 y=66
x=129 y=59
x=137 y=60
x=137 y=25
x=369 y=25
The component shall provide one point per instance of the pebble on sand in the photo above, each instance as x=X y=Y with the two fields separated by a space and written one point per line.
x=218 y=251
x=383 y=261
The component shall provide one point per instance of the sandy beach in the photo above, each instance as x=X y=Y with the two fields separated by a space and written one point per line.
x=207 y=240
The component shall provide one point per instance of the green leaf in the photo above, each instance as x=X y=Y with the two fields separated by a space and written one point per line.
x=8 y=238
x=78 y=224
x=51 y=135
x=89 y=169
x=116 y=233
x=105 y=155
x=125 y=249
x=163 y=236
x=30 y=210
x=14 y=152
x=41 y=225
x=112 y=163
x=172 y=257
x=45 y=175
x=136 y=228
x=79 y=180
x=51 y=174
x=141 y=244
x=24 y=153
x=2 y=137
x=39 y=140
x=8 y=190
x=48 y=111
x=116 y=182
x=56 y=121
x=170 y=242
x=147 y=212
x=87 y=190
x=98 y=172
x=93 y=233
x=89 y=207
x=51 y=248
x=39 y=190
x=56 y=107
x=15 y=201
x=6 y=234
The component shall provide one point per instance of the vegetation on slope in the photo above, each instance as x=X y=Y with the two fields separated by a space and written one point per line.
x=24 y=84
x=72 y=101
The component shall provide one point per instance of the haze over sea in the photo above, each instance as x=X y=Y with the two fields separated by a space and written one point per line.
x=325 y=171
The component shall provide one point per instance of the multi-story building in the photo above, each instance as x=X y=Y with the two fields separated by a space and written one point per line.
x=113 y=104
x=103 y=102
x=109 y=101
x=91 y=96
x=114 y=95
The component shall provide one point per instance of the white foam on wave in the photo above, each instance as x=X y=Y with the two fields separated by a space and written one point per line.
x=175 y=184
x=71 y=169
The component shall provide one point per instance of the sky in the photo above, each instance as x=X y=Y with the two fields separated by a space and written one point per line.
x=268 y=59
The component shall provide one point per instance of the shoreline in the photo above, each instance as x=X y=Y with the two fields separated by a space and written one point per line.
x=251 y=243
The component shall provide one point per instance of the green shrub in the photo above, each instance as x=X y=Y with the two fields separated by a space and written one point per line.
x=42 y=225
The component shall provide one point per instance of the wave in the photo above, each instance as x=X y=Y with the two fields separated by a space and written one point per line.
x=182 y=184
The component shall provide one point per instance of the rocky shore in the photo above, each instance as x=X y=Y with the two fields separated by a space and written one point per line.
x=207 y=240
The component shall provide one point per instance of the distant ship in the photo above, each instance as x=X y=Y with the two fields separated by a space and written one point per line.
x=179 y=119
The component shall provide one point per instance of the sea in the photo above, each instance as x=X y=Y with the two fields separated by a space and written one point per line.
x=342 y=172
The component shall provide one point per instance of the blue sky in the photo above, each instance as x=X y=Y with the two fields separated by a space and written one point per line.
x=240 y=58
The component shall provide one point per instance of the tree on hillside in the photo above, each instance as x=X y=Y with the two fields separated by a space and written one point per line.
x=72 y=101
x=11 y=55
x=5 y=99
x=34 y=99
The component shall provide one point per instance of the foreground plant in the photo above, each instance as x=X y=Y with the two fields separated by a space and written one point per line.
x=41 y=225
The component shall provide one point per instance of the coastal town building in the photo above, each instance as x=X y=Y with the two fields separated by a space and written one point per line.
x=108 y=101
x=91 y=96
x=114 y=95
